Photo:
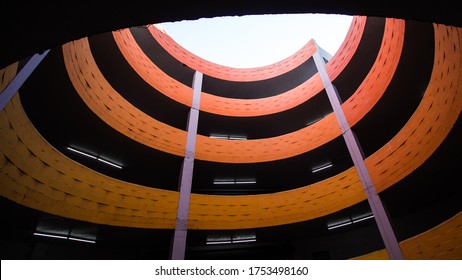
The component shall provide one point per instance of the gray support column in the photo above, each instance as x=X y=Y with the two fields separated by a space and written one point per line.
x=20 y=78
x=179 y=239
x=381 y=218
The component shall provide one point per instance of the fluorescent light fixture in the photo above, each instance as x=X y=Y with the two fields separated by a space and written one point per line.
x=50 y=235
x=234 y=181
x=350 y=220
x=319 y=168
x=223 y=182
x=80 y=152
x=218 y=242
x=95 y=157
x=231 y=241
x=233 y=137
x=217 y=136
x=245 y=240
x=231 y=238
x=363 y=219
x=229 y=137
x=64 y=237
x=246 y=181
x=110 y=163
x=339 y=225
x=82 y=240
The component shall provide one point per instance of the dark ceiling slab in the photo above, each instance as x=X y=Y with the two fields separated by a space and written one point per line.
x=161 y=58
x=273 y=176
x=63 y=119
x=124 y=79
x=351 y=77
x=266 y=126
x=262 y=88
x=405 y=91
x=39 y=26
x=420 y=201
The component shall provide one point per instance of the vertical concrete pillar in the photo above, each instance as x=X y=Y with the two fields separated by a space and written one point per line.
x=380 y=215
x=20 y=78
x=185 y=183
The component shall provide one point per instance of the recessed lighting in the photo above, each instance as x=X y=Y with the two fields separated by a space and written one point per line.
x=218 y=242
x=82 y=240
x=245 y=240
x=234 y=137
x=363 y=219
x=95 y=157
x=228 y=137
x=232 y=181
x=64 y=237
x=246 y=181
x=340 y=225
x=322 y=167
x=50 y=235
x=82 y=153
x=218 y=136
x=224 y=182
x=110 y=163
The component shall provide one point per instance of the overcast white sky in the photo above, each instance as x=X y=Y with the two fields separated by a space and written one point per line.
x=258 y=40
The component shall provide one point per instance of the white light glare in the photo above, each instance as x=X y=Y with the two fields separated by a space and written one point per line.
x=246 y=181
x=316 y=169
x=110 y=163
x=228 y=137
x=245 y=240
x=95 y=157
x=81 y=240
x=223 y=182
x=64 y=237
x=216 y=136
x=233 y=181
x=50 y=235
x=350 y=221
x=80 y=152
x=363 y=219
x=340 y=225
x=218 y=242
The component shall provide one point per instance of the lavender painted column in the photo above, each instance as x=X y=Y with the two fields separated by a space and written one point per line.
x=381 y=218
x=181 y=229
x=20 y=78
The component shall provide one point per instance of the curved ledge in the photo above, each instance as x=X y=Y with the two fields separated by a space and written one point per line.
x=231 y=73
x=439 y=243
x=117 y=112
x=36 y=175
x=232 y=106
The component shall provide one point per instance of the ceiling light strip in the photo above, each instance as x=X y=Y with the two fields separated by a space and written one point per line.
x=234 y=181
x=363 y=219
x=50 y=235
x=245 y=240
x=95 y=157
x=246 y=182
x=82 y=240
x=64 y=237
x=110 y=163
x=316 y=169
x=339 y=225
x=218 y=242
x=82 y=153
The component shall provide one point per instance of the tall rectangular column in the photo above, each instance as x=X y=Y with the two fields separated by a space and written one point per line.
x=181 y=229
x=380 y=215
x=20 y=78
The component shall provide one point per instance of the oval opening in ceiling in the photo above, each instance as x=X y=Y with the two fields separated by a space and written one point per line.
x=257 y=40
